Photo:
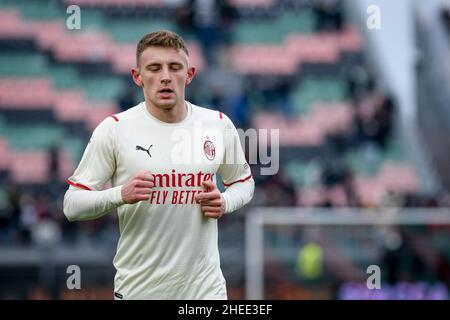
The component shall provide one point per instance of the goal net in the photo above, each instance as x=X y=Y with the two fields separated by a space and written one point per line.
x=389 y=253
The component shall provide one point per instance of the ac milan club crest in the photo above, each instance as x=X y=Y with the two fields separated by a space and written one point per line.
x=210 y=150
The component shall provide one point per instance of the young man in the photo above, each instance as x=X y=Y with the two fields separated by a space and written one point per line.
x=162 y=157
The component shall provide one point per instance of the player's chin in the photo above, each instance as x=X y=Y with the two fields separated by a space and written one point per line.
x=166 y=104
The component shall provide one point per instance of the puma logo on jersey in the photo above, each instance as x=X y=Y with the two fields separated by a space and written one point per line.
x=145 y=150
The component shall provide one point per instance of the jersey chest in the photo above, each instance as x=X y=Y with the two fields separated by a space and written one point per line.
x=162 y=150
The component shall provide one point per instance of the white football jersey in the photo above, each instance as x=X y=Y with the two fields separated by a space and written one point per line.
x=167 y=248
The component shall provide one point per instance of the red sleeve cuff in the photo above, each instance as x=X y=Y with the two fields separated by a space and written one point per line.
x=78 y=185
x=241 y=180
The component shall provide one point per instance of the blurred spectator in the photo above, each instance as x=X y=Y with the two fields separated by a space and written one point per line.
x=184 y=17
x=128 y=98
x=329 y=15
x=384 y=118
x=359 y=82
x=348 y=184
x=279 y=191
x=228 y=15
x=374 y=121
x=309 y=264
x=443 y=268
x=13 y=195
x=240 y=109
x=28 y=217
x=217 y=98
x=207 y=24
x=393 y=244
x=46 y=232
x=282 y=91
x=338 y=142
x=445 y=17
x=54 y=165
x=212 y=20
x=332 y=174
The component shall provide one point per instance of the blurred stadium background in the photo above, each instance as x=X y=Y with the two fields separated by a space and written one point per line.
x=364 y=120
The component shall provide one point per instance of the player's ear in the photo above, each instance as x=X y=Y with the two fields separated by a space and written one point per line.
x=136 y=76
x=190 y=75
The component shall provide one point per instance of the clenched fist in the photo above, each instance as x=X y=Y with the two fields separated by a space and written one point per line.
x=138 y=188
x=211 y=200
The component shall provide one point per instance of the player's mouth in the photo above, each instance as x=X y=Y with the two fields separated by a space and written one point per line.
x=165 y=93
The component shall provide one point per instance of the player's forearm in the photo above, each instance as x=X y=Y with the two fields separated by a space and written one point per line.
x=81 y=205
x=238 y=195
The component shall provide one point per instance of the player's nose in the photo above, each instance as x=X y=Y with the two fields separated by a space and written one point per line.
x=165 y=76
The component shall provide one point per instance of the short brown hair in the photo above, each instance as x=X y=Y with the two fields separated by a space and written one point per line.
x=163 y=38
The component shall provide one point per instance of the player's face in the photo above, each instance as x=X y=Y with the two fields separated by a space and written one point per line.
x=164 y=73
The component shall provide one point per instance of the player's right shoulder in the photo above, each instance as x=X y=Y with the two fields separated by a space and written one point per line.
x=127 y=115
x=106 y=124
x=118 y=119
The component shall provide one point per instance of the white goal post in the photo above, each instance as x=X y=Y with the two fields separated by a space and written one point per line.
x=257 y=218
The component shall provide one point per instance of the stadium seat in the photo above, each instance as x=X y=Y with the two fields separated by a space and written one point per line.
x=22 y=172
x=4 y=154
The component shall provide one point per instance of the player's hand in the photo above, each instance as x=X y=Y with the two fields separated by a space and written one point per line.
x=138 y=188
x=210 y=200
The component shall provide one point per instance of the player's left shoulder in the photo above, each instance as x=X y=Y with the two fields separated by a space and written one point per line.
x=211 y=116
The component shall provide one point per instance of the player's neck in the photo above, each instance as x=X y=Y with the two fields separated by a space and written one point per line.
x=176 y=114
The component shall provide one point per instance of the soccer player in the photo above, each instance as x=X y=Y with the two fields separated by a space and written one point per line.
x=162 y=157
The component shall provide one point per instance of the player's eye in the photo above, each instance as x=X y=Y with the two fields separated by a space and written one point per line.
x=153 y=68
x=176 y=67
